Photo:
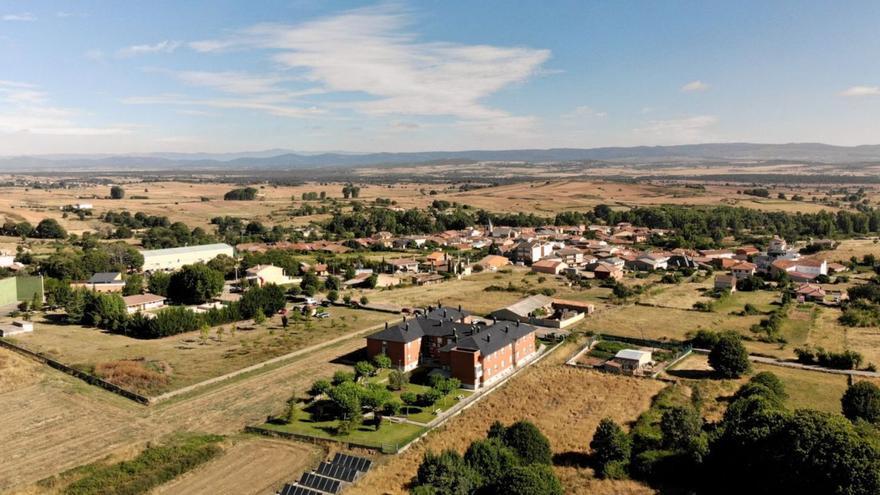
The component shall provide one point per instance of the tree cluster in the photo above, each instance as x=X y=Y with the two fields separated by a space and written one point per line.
x=770 y=448
x=514 y=460
x=241 y=194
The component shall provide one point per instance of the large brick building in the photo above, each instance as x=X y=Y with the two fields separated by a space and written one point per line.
x=476 y=354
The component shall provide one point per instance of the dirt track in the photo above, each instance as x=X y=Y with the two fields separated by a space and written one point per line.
x=59 y=422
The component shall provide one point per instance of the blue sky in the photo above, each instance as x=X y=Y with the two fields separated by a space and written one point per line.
x=309 y=75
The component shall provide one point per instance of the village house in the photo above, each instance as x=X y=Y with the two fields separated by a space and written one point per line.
x=800 y=270
x=572 y=256
x=725 y=282
x=493 y=262
x=605 y=271
x=143 y=302
x=319 y=269
x=400 y=265
x=714 y=254
x=102 y=282
x=629 y=362
x=549 y=266
x=648 y=262
x=545 y=311
x=743 y=270
x=529 y=252
x=745 y=253
x=268 y=274
x=436 y=260
x=809 y=292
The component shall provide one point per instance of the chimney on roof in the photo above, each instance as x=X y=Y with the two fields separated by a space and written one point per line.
x=517 y=322
x=459 y=308
x=386 y=325
x=506 y=328
x=494 y=319
x=444 y=313
x=406 y=327
x=439 y=304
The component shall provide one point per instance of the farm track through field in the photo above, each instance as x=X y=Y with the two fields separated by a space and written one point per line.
x=60 y=423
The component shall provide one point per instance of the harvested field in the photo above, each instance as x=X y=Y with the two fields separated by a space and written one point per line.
x=16 y=371
x=566 y=403
x=58 y=422
x=662 y=323
x=853 y=247
x=250 y=466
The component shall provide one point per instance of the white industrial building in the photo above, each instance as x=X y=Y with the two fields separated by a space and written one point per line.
x=174 y=258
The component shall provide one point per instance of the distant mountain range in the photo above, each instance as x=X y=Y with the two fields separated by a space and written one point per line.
x=286 y=159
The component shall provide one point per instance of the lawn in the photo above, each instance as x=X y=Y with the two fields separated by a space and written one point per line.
x=185 y=359
x=389 y=433
x=806 y=389
x=762 y=300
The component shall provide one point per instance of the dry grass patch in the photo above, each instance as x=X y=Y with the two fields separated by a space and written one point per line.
x=16 y=371
x=136 y=375
x=565 y=403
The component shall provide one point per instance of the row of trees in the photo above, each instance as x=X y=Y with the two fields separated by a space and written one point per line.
x=515 y=460
x=48 y=228
x=108 y=311
x=770 y=448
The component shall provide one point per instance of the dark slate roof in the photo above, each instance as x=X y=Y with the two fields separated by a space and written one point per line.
x=492 y=338
x=104 y=278
x=416 y=328
x=406 y=331
x=443 y=313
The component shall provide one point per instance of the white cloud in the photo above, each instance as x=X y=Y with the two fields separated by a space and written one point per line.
x=861 y=91
x=25 y=109
x=166 y=46
x=677 y=131
x=232 y=82
x=368 y=52
x=268 y=105
x=94 y=54
x=20 y=17
x=695 y=87
x=585 y=111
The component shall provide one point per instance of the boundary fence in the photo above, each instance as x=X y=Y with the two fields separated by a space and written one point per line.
x=82 y=375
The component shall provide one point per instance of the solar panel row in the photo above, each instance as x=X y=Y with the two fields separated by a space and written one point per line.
x=319 y=482
x=338 y=472
x=297 y=490
x=353 y=462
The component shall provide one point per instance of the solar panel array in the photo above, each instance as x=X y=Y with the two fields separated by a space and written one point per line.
x=298 y=490
x=352 y=462
x=319 y=482
x=338 y=472
x=329 y=476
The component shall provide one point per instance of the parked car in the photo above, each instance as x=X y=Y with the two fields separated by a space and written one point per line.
x=323 y=315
